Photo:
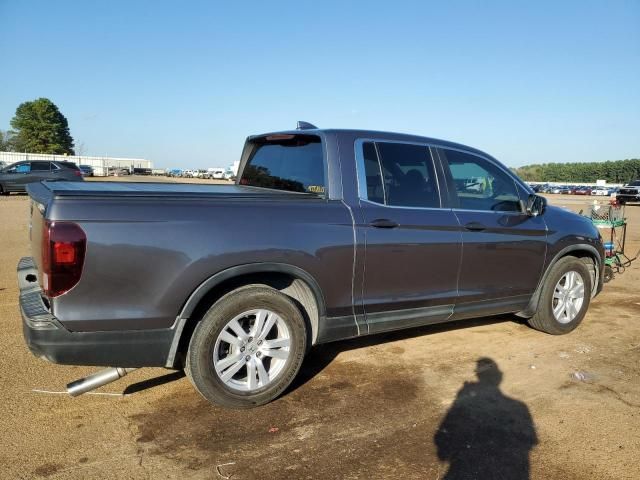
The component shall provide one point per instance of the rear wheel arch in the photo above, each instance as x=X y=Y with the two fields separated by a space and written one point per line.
x=588 y=253
x=293 y=281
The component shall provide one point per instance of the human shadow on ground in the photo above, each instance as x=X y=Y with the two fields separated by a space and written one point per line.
x=486 y=434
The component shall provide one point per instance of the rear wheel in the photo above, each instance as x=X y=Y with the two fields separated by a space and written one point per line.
x=248 y=348
x=565 y=297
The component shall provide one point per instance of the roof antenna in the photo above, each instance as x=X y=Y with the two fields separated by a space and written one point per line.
x=305 y=126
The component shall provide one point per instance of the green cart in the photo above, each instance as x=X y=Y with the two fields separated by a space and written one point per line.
x=611 y=221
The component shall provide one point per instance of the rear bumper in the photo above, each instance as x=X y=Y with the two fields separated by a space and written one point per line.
x=47 y=337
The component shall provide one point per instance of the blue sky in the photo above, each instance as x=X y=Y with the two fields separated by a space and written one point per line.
x=183 y=83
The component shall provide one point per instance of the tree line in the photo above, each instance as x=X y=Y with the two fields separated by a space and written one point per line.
x=38 y=127
x=617 y=171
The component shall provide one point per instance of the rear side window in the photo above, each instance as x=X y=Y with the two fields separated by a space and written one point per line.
x=40 y=166
x=286 y=162
x=373 y=173
x=481 y=185
x=399 y=174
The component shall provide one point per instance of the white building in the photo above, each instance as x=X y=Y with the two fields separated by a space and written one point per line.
x=100 y=165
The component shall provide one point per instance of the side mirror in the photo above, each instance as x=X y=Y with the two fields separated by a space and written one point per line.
x=535 y=205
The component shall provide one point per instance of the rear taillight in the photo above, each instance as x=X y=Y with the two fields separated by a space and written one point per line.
x=78 y=173
x=63 y=248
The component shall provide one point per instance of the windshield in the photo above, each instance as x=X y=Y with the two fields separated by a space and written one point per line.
x=286 y=162
x=635 y=183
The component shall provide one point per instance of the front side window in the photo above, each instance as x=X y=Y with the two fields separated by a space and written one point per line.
x=20 y=168
x=286 y=162
x=400 y=174
x=481 y=185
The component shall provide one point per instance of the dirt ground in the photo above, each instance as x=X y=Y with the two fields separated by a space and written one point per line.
x=476 y=399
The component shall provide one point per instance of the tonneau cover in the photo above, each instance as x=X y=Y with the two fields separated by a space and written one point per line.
x=45 y=190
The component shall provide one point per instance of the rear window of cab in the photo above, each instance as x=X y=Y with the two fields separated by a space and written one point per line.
x=293 y=163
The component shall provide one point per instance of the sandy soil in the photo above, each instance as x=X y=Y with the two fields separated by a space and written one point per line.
x=477 y=399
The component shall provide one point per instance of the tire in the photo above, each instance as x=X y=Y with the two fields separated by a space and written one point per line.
x=214 y=342
x=544 y=319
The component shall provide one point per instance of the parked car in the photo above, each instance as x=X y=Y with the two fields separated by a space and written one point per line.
x=317 y=246
x=229 y=175
x=629 y=193
x=142 y=171
x=118 y=171
x=217 y=173
x=582 y=191
x=16 y=177
x=189 y=173
x=602 y=191
x=87 y=170
x=174 y=172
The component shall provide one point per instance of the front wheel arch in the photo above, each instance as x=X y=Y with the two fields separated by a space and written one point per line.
x=584 y=251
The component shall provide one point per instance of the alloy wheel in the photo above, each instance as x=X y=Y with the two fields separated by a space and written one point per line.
x=568 y=297
x=252 y=350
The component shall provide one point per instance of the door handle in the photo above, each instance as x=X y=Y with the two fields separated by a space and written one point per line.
x=475 y=227
x=383 y=223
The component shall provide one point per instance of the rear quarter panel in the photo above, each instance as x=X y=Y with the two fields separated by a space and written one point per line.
x=145 y=256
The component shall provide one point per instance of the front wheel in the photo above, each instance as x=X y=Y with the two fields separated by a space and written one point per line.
x=248 y=348
x=565 y=297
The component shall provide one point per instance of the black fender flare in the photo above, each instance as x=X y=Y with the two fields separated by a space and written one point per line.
x=250 y=268
x=531 y=308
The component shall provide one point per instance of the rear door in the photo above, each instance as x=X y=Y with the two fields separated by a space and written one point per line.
x=40 y=170
x=412 y=244
x=503 y=249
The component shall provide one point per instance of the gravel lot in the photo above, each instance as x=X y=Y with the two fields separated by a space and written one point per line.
x=412 y=404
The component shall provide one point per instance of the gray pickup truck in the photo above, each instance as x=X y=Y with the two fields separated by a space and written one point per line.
x=326 y=235
x=629 y=193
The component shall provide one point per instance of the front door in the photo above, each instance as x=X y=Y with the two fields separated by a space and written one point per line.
x=503 y=249
x=413 y=245
x=16 y=177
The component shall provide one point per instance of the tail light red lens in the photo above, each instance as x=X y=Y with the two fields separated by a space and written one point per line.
x=78 y=173
x=63 y=248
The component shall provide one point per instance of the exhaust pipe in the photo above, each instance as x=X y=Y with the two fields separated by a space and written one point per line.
x=97 y=380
